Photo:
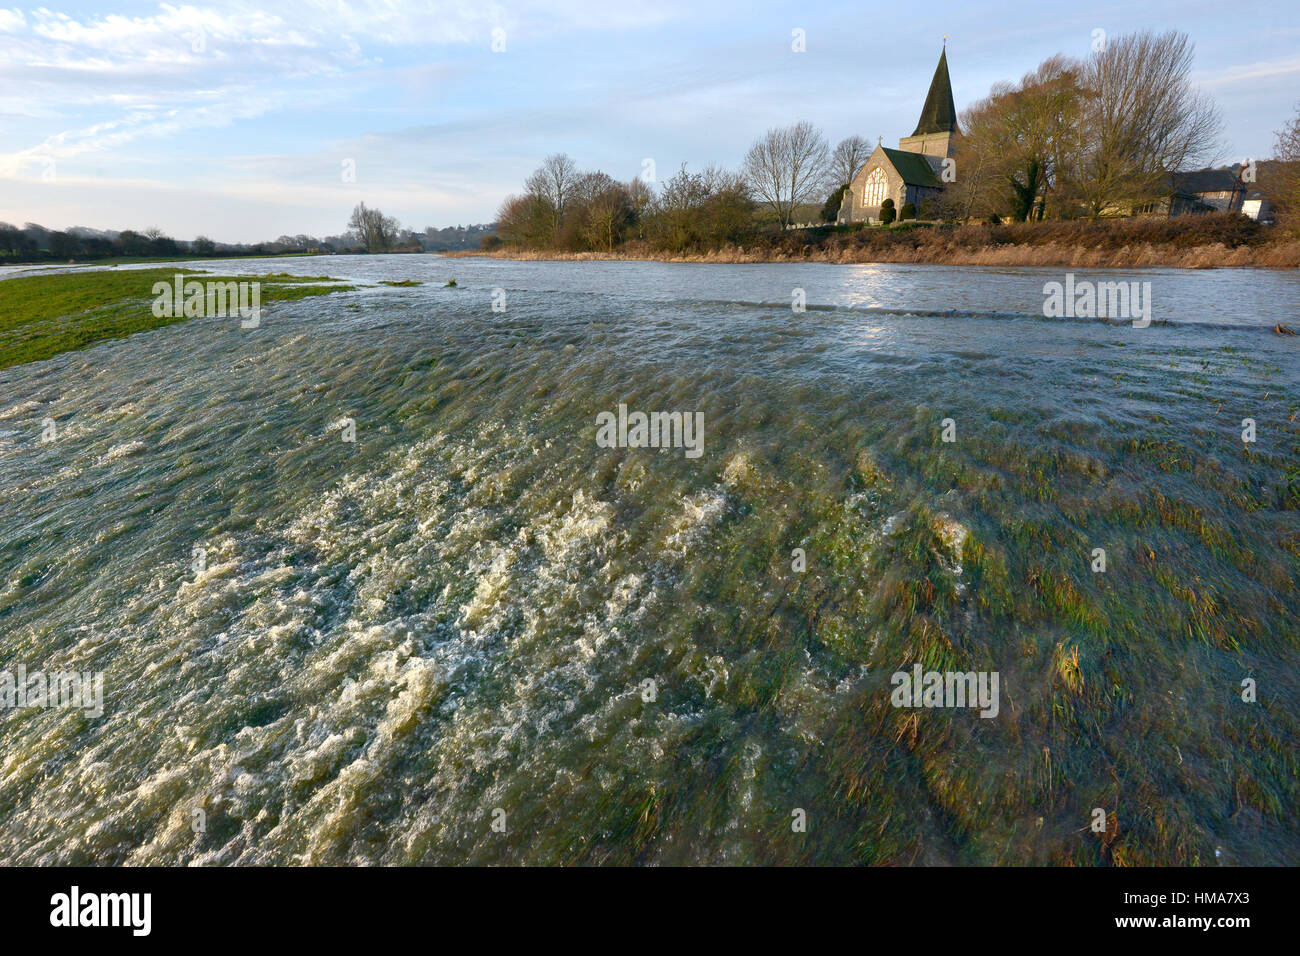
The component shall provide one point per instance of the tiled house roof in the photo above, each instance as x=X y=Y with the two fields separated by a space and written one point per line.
x=1205 y=181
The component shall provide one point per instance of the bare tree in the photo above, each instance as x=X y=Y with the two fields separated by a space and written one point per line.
x=675 y=216
x=524 y=221
x=979 y=187
x=1017 y=140
x=372 y=228
x=1142 y=120
x=642 y=198
x=1282 y=176
x=603 y=209
x=553 y=184
x=604 y=218
x=728 y=211
x=696 y=210
x=848 y=158
x=788 y=167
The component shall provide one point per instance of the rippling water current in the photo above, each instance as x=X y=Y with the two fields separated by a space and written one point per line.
x=473 y=635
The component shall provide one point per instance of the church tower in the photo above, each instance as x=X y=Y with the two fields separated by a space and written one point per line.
x=938 y=123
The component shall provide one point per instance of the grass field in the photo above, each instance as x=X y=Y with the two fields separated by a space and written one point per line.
x=44 y=315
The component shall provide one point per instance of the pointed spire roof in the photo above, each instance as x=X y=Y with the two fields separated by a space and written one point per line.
x=939 y=115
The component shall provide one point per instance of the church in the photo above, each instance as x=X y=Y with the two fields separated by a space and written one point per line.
x=915 y=170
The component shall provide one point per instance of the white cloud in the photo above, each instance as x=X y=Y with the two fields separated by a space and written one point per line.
x=139 y=120
x=87 y=70
x=1267 y=70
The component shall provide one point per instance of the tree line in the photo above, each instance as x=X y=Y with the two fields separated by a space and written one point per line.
x=33 y=242
x=784 y=176
x=1085 y=138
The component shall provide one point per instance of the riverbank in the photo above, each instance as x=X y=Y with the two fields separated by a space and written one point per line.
x=1199 y=257
x=1201 y=242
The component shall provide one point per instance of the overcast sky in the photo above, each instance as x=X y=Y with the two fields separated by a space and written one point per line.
x=237 y=120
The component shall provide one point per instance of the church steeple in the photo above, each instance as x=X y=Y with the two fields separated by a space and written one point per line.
x=939 y=115
x=938 y=123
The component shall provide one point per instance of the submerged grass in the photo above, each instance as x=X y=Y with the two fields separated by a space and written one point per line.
x=1121 y=688
x=44 y=315
x=573 y=580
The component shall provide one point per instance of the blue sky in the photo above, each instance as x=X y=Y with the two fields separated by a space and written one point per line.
x=235 y=119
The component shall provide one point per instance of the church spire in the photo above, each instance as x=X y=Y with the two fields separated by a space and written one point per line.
x=939 y=115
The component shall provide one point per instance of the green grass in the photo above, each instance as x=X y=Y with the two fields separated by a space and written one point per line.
x=402 y=283
x=44 y=315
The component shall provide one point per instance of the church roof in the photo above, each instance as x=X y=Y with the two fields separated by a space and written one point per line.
x=939 y=115
x=916 y=170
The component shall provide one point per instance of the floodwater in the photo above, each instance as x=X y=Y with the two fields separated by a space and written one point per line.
x=475 y=634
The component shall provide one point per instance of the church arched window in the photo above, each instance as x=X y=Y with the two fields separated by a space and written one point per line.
x=875 y=188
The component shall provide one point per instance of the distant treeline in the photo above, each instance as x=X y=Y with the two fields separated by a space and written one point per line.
x=35 y=243
x=455 y=237
x=565 y=209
